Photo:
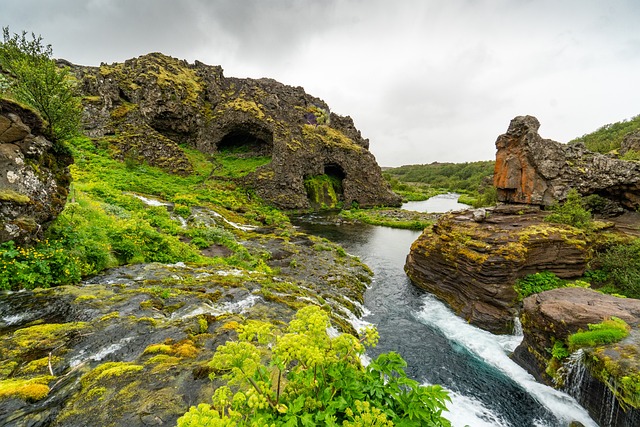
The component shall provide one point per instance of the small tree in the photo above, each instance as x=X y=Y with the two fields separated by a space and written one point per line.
x=32 y=77
x=571 y=212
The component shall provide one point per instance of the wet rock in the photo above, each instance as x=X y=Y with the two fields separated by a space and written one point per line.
x=34 y=178
x=533 y=170
x=552 y=316
x=153 y=103
x=473 y=265
x=131 y=346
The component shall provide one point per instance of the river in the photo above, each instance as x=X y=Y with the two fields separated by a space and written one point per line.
x=487 y=387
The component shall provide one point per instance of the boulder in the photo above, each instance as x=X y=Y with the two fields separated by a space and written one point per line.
x=34 y=177
x=606 y=382
x=472 y=259
x=533 y=170
x=147 y=107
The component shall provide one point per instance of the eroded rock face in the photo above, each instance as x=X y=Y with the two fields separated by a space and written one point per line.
x=554 y=315
x=34 y=179
x=472 y=259
x=149 y=105
x=533 y=170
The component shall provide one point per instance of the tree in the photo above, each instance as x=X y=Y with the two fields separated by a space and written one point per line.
x=31 y=76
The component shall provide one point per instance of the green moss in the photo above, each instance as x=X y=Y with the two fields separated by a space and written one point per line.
x=323 y=191
x=31 y=390
x=109 y=370
x=46 y=335
x=607 y=332
x=8 y=195
x=158 y=349
x=329 y=136
x=246 y=106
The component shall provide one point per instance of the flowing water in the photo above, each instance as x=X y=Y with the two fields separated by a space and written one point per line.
x=487 y=388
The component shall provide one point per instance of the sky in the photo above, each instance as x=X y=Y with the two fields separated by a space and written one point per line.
x=424 y=80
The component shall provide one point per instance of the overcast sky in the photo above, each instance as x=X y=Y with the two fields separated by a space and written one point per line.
x=424 y=80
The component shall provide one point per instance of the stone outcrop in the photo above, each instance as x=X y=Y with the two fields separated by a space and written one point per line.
x=34 y=178
x=146 y=107
x=472 y=259
x=533 y=170
x=606 y=386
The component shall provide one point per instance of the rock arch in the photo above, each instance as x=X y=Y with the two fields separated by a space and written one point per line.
x=247 y=139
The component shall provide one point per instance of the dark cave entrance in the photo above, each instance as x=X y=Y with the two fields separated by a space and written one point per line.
x=325 y=191
x=246 y=142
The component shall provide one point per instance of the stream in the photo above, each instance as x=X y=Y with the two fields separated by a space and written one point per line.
x=486 y=387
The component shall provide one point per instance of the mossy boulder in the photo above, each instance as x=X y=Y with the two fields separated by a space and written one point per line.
x=131 y=346
x=34 y=175
x=152 y=104
x=605 y=375
x=472 y=259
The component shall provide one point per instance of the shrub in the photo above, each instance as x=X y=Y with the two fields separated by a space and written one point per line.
x=571 y=212
x=305 y=377
x=620 y=268
x=538 y=282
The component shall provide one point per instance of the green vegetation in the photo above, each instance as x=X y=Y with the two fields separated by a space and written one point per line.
x=606 y=332
x=572 y=212
x=105 y=224
x=538 y=282
x=419 y=182
x=304 y=377
x=35 y=79
x=618 y=269
x=324 y=191
x=395 y=218
x=609 y=137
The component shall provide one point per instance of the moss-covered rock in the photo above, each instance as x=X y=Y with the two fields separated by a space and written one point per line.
x=605 y=375
x=154 y=103
x=472 y=259
x=34 y=178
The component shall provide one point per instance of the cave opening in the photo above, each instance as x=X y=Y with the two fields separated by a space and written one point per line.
x=246 y=143
x=326 y=191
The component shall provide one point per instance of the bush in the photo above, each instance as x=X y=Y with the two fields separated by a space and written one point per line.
x=36 y=80
x=571 y=212
x=537 y=282
x=305 y=377
x=620 y=268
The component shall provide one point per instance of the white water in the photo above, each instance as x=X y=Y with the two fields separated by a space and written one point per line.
x=491 y=349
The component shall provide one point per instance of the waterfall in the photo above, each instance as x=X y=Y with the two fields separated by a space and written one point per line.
x=517 y=327
x=575 y=371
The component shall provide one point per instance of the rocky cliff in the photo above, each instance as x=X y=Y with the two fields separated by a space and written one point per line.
x=34 y=178
x=605 y=378
x=147 y=107
x=472 y=259
x=533 y=170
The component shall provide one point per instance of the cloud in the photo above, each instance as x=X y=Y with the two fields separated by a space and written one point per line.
x=424 y=80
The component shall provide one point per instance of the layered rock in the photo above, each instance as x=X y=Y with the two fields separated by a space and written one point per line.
x=148 y=106
x=533 y=170
x=34 y=178
x=472 y=259
x=607 y=383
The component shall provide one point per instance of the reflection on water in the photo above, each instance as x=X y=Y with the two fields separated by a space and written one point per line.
x=437 y=204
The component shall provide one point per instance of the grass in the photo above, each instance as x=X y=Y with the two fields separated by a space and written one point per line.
x=104 y=224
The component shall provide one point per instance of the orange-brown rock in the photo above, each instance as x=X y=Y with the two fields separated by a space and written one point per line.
x=533 y=170
x=472 y=259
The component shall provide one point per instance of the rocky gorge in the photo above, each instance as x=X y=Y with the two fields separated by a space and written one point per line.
x=473 y=259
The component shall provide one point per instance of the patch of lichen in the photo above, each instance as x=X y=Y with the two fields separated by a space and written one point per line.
x=8 y=195
x=246 y=106
x=42 y=337
x=327 y=136
x=30 y=390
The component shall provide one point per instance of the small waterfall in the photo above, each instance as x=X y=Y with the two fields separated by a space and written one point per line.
x=575 y=372
x=517 y=327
